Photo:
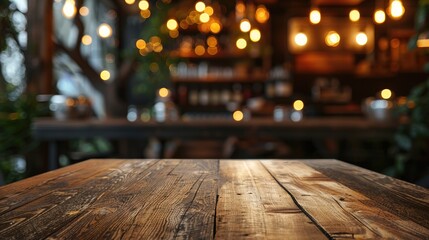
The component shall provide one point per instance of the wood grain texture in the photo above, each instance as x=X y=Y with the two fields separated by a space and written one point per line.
x=253 y=205
x=206 y=199
x=177 y=196
x=339 y=210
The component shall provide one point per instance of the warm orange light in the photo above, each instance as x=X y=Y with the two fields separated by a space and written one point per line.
x=315 y=16
x=215 y=27
x=255 y=35
x=173 y=33
x=105 y=75
x=361 y=38
x=212 y=50
x=172 y=24
x=163 y=92
x=241 y=43
x=200 y=50
x=386 y=93
x=298 y=105
x=140 y=44
x=204 y=18
x=379 y=16
x=211 y=41
x=300 y=39
x=200 y=6
x=84 y=11
x=354 y=15
x=69 y=9
x=104 y=30
x=238 y=115
x=332 y=39
x=145 y=13
x=144 y=5
x=86 y=40
x=130 y=2
x=245 y=25
x=396 y=9
x=209 y=10
x=262 y=15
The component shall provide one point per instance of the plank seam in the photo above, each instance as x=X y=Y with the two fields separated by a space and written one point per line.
x=299 y=205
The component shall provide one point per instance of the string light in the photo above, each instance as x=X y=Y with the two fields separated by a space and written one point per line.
x=315 y=16
x=255 y=35
x=241 y=43
x=144 y=5
x=379 y=16
x=300 y=39
x=204 y=18
x=262 y=15
x=105 y=75
x=69 y=9
x=200 y=6
x=361 y=38
x=104 y=30
x=172 y=24
x=215 y=27
x=396 y=9
x=245 y=25
x=354 y=15
x=332 y=39
x=86 y=40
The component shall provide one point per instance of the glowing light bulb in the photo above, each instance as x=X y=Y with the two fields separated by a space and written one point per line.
x=141 y=44
x=315 y=16
x=86 y=40
x=204 y=18
x=200 y=6
x=255 y=35
x=301 y=39
x=361 y=38
x=354 y=15
x=130 y=2
x=245 y=25
x=172 y=24
x=241 y=43
x=104 y=30
x=209 y=10
x=215 y=27
x=84 y=11
x=238 y=115
x=386 y=93
x=396 y=9
x=379 y=16
x=298 y=105
x=105 y=75
x=144 y=5
x=261 y=14
x=163 y=92
x=69 y=9
x=332 y=39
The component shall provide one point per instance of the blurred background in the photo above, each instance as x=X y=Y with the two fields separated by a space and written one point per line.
x=355 y=70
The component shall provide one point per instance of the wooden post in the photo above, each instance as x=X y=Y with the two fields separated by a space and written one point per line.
x=40 y=47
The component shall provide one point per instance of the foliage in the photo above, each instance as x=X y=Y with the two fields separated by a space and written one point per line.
x=412 y=138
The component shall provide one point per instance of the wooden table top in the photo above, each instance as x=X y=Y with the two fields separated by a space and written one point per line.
x=205 y=199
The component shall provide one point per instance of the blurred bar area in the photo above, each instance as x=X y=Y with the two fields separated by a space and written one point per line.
x=215 y=79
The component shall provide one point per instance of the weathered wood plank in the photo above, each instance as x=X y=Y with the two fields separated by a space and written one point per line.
x=173 y=199
x=43 y=216
x=23 y=192
x=252 y=205
x=340 y=211
x=395 y=196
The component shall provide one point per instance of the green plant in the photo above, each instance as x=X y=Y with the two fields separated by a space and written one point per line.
x=412 y=137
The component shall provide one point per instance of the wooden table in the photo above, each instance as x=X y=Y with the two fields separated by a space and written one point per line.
x=205 y=199
x=344 y=128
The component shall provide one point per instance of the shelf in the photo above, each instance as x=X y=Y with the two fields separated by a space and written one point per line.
x=224 y=55
x=249 y=79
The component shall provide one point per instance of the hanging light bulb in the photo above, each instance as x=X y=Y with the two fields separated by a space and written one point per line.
x=396 y=9
x=69 y=9
x=361 y=38
x=354 y=15
x=245 y=25
x=300 y=39
x=315 y=16
x=379 y=16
